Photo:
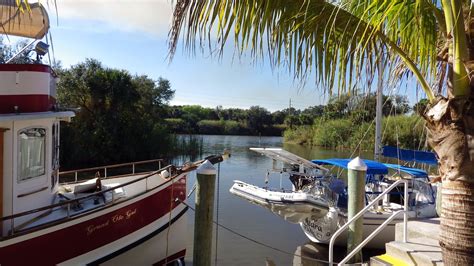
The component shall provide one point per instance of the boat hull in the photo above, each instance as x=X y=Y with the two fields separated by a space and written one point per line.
x=300 y=201
x=321 y=229
x=146 y=229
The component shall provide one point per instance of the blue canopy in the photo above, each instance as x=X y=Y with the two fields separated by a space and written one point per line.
x=415 y=172
x=410 y=155
x=373 y=167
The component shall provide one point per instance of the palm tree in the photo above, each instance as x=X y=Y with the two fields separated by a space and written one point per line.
x=341 y=43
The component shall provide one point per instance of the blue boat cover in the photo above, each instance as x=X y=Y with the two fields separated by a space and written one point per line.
x=415 y=172
x=373 y=167
x=410 y=155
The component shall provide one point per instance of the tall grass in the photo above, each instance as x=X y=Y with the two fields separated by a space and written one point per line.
x=189 y=145
x=403 y=131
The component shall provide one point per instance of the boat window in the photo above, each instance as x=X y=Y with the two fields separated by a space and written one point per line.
x=31 y=153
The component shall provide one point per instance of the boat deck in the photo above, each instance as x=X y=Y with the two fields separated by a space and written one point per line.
x=67 y=204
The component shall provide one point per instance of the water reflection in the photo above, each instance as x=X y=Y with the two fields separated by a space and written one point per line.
x=312 y=254
x=296 y=213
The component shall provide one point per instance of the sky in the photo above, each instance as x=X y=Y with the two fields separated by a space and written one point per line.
x=133 y=35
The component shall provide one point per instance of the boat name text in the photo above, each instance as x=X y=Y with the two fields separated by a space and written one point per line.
x=117 y=218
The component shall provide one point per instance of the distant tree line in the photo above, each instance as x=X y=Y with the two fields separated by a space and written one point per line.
x=195 y=119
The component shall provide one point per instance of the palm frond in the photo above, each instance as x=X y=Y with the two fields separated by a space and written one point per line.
x=339 y=42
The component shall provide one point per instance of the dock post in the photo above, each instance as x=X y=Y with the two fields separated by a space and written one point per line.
x=205 y=186
x=356 y=202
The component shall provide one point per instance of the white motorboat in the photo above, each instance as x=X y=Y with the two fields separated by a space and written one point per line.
x=296 y=200
x=304 y=196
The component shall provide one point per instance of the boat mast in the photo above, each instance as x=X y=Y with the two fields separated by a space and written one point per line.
x=378 y=114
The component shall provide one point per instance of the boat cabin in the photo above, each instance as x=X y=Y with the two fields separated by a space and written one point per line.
x=29 y=139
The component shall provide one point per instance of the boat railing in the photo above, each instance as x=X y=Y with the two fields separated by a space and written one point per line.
x=378 y=230
x=81 y=174
x=70 y=203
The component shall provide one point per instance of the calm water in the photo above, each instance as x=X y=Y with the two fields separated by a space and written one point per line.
x=246 y=218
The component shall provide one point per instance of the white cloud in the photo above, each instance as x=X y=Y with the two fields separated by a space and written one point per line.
x=149 y=16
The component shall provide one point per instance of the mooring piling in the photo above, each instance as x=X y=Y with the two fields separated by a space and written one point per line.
x=205 y=186
x=356 y=187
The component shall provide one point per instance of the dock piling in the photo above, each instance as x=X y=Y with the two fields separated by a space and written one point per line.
x=205 y=186
x=356 y=187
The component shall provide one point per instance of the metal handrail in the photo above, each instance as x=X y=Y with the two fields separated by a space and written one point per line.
x=373 y=234
x=76 y=200
x=105 y=167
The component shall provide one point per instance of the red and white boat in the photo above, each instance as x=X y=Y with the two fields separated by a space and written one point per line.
x=131 y=219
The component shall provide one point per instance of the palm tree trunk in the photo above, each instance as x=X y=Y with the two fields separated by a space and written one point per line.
x=450 y=126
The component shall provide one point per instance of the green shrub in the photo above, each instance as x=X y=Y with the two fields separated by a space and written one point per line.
x=364 y=134
x=406 y=131
x=299 y=135
x=332 y=133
